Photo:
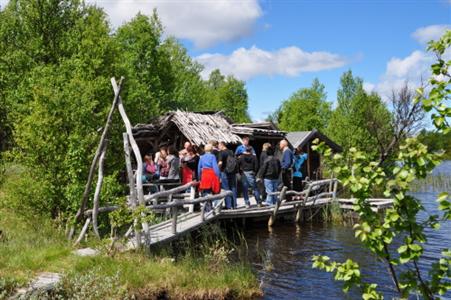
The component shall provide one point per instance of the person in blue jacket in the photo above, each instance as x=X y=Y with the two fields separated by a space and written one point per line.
x=286 y=163
x=242 y=148
x=299 y=158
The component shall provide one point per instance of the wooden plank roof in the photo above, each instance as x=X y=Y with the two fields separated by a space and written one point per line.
x=301 y=138
x=201 y=127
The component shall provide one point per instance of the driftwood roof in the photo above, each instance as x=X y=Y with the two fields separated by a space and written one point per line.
x=301 y=138
x=201 y=127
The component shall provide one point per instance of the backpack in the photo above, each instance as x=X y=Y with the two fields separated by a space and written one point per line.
x=231 y=164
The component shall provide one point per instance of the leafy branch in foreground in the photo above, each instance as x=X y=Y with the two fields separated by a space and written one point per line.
x=440 y=95
x=362 y=176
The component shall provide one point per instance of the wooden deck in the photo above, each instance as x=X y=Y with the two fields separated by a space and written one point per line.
x=183 y=222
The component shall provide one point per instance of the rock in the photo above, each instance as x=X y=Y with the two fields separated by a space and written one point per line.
x=86 y=252
x=39 y=287
x=45 y=281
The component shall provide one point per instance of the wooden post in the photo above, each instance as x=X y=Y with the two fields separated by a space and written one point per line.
x=309 y=158
x=136 y=152
x=84 y=199
x=83 y=231
x=131 y=184
x=299 y=215
x=192 y=196
x=95 y=207
x=282 y=196
x=174 y=219
x=334 y=194
x=202 y=211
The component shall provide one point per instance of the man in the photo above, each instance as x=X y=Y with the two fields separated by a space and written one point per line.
x=241 y=148
x=286 y=163
x=248 y=168
x=216 y=149
x=228 y=167
x=269 y=172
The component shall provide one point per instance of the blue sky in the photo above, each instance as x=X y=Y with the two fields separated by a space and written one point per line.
x=277 y=47
x=367 y=33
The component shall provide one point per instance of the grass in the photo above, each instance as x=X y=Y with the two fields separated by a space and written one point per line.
x=432 y=183
x=30 y=245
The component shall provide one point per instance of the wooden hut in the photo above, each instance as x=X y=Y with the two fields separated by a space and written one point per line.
x=177 y=127
x=304 y=139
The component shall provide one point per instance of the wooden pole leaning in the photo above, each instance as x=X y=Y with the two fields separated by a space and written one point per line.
x=136 y=152
x=131 y=185
x=95 y=160
x=272 y=218
x=95 y=207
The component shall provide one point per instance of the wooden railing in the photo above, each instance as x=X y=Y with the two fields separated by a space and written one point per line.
x=175 y=204
x=176 y=198
x=331 y=184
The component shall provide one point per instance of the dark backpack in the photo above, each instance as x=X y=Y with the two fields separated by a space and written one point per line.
x=231 y=164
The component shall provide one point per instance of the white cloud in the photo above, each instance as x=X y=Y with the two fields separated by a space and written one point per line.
x=3 y=3
x=204 y=22
x=433 y=32
x=412 y=69
x=291 y=61
x=369 y=87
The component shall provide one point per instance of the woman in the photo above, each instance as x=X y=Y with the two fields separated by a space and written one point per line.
x=189 y=165
x=299 y=158
x=163 y=166
x=173 y=161
x=208 y=172
x=149 y=169
x=264 y=155
x=270 y=172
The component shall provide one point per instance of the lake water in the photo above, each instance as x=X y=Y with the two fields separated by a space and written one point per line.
x=282 y=257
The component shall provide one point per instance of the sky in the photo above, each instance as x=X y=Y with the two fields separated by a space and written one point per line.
x=277 y=47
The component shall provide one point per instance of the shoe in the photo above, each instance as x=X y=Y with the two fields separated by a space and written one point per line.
x=259 y=205
x=248 y=205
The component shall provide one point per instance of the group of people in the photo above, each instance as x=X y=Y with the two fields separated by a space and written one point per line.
x=217 y=167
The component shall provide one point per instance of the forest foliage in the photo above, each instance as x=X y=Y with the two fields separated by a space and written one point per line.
x=56 y=61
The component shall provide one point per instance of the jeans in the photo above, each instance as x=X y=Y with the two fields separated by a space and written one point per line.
x=248 y=180
x=271 y=187
x=228 y=183
x=207 y=204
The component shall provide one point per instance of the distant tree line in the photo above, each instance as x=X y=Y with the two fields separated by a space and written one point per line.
x=360 y=119
x=436 y=142
x=56 y=61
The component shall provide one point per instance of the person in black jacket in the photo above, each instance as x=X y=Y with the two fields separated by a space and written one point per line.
x=269 y=173
x=248 y=167
x=228 y=174
x=263 y=157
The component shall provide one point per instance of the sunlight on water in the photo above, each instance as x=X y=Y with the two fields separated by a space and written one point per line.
x=282 y=257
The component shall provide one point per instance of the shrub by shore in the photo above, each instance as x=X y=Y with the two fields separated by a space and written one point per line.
x=31 y=244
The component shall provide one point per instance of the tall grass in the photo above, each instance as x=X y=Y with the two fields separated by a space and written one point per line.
x=33 y=246
x=199 y=267
x=432 y=183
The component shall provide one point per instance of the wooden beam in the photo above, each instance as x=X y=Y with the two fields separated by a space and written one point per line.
x=272 y=218
x=309 y=161
x=131 y=183
x=84 y=199
x=95 y=207
x=136 y=152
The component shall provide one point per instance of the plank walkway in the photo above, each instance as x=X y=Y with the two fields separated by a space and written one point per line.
x=190 y=221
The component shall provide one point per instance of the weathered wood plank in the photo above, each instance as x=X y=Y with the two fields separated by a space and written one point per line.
x=87 y=190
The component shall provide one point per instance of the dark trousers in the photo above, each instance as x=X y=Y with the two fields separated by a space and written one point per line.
x=286 y=178
x=297 y=184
